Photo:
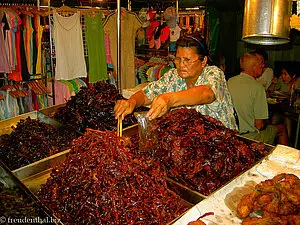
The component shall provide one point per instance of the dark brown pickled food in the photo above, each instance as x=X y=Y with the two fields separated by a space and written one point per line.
x=196 y=150
x=93 y=107
x=100 y=183
x=32 y=140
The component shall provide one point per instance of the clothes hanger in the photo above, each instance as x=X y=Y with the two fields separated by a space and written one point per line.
x=33 y=87
x=92 y=11
x=63 y=8
x=11 y=89
x=37 y=87
x=42 y=87
x=25 y=11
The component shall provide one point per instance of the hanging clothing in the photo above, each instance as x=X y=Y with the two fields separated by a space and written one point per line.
x=34 y=49
x=16 y=73
x=4 y=62
x=39 y=28
x=11 y=37
x=11 y=105
x=70 y=62
x=28 y=43
x=175 y=33
x=96 y=57
x=2 y=110
x=65 y=89
x=24 y=67
x=129 y=25
x=107 y=50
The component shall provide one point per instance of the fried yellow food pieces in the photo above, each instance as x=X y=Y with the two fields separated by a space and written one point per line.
x=278 y=199
x=245 y=206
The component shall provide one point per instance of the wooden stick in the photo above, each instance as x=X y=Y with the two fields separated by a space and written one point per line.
x=119 y=128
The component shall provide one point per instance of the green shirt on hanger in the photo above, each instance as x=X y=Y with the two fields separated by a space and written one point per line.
x=96 y=49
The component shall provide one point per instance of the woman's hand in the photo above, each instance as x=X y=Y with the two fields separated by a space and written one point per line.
x=160 y=106
x=124 y=107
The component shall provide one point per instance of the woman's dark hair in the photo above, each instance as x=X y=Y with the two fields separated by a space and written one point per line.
x=290 y=68
x=193 y=42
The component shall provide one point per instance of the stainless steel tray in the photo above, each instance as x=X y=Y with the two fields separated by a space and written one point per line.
x=195 y=197
x=20 y=191
x=185 y=192
x=5 y=125
x=50 y=111
x=37 y=173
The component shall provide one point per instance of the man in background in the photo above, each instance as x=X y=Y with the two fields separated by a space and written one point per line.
x=250 y=102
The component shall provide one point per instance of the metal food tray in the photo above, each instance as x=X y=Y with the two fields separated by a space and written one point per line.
x=34 y=175
x=11 y=182
x=195 y=197
x=37 y=173
x=5 y=125
x=187 y=193
x=50 y=111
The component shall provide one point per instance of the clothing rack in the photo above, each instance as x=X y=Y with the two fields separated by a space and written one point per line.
x=30 y=11
x=118 y=11
x=67 y=11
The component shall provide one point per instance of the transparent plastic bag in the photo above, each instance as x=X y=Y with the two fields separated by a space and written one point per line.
x=147 y=138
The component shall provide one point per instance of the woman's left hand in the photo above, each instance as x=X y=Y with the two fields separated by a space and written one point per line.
x=160 y=106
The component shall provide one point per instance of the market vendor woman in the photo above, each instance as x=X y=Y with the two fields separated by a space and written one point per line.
x=192 y=83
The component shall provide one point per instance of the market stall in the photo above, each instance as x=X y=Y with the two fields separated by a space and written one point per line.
x=41 y=178
x=180 y=168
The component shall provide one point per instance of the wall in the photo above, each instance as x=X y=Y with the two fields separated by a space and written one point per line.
x=230 y=35
x=232 y=47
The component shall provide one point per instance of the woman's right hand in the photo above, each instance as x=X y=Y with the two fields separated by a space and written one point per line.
x=123 y=108
x=160 y=106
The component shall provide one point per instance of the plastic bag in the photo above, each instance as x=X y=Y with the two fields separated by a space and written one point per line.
x=147 y=137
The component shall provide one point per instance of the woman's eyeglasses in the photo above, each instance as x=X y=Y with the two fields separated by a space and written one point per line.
x=185 y=61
